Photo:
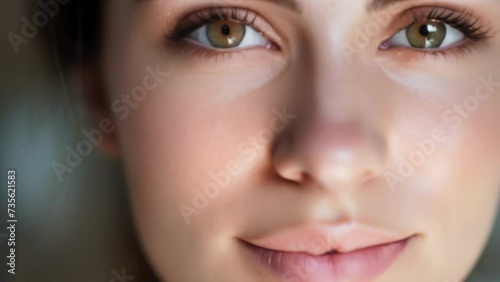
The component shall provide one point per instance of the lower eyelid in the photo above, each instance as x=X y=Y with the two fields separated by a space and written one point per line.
x=201 y=59
x=403 y=57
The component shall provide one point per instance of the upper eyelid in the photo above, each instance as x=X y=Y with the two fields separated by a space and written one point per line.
x=193 y=20
x=477 y=27
x=222 y=13
x=481 y=29
x=190 y=21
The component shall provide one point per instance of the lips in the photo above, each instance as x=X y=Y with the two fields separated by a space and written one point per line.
x=314 y=253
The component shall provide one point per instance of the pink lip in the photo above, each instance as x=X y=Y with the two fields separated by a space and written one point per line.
x=310 y=253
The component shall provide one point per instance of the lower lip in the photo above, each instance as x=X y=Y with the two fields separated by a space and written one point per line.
x=360 y=265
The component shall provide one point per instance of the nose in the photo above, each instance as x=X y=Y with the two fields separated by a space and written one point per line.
x=330 y=154
x=338 y=139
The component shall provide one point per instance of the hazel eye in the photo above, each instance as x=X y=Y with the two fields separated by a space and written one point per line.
x=427 y=34
x=227 y=34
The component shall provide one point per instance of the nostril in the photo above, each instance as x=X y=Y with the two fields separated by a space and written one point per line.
x=327 y=155
x=305 y=177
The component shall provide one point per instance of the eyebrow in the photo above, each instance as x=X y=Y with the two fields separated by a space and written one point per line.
x=289 y=4
x=377 y=5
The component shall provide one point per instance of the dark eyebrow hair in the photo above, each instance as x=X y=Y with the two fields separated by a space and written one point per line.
x=289 y=4
x=377 y=5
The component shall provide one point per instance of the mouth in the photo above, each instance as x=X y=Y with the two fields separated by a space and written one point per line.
x=292 y=261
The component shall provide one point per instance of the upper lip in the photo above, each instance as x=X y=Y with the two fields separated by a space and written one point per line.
x=319 y=239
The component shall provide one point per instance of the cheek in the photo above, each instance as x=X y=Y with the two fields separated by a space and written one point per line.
x=193 y=124
x=189 y=128
x=445 y=128
x=446 y=150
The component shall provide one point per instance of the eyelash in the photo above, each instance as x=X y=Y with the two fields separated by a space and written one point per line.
x=473 y=29
x=197 y=19
x=463 y=21
x=202 y=17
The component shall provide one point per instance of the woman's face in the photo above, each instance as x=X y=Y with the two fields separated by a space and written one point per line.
x=282 y=140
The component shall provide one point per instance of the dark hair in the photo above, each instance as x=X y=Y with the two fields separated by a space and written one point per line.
x=75 y=34
x=76 y=31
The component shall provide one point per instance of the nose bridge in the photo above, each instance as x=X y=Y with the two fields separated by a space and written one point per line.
x=339 y=84
x=351 y=97
x=343 y=72
x=335 y=96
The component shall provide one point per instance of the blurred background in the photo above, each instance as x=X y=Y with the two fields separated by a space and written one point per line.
x=77 y=229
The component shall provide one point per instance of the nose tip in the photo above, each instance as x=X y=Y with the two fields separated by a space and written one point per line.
x=330 y=154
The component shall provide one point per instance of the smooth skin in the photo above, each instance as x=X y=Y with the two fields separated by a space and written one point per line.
x=308 y=132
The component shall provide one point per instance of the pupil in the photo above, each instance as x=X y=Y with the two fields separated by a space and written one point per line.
x=424 y=30
x=226 y=30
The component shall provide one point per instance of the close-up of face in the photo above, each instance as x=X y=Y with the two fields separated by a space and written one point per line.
x=294 y=140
